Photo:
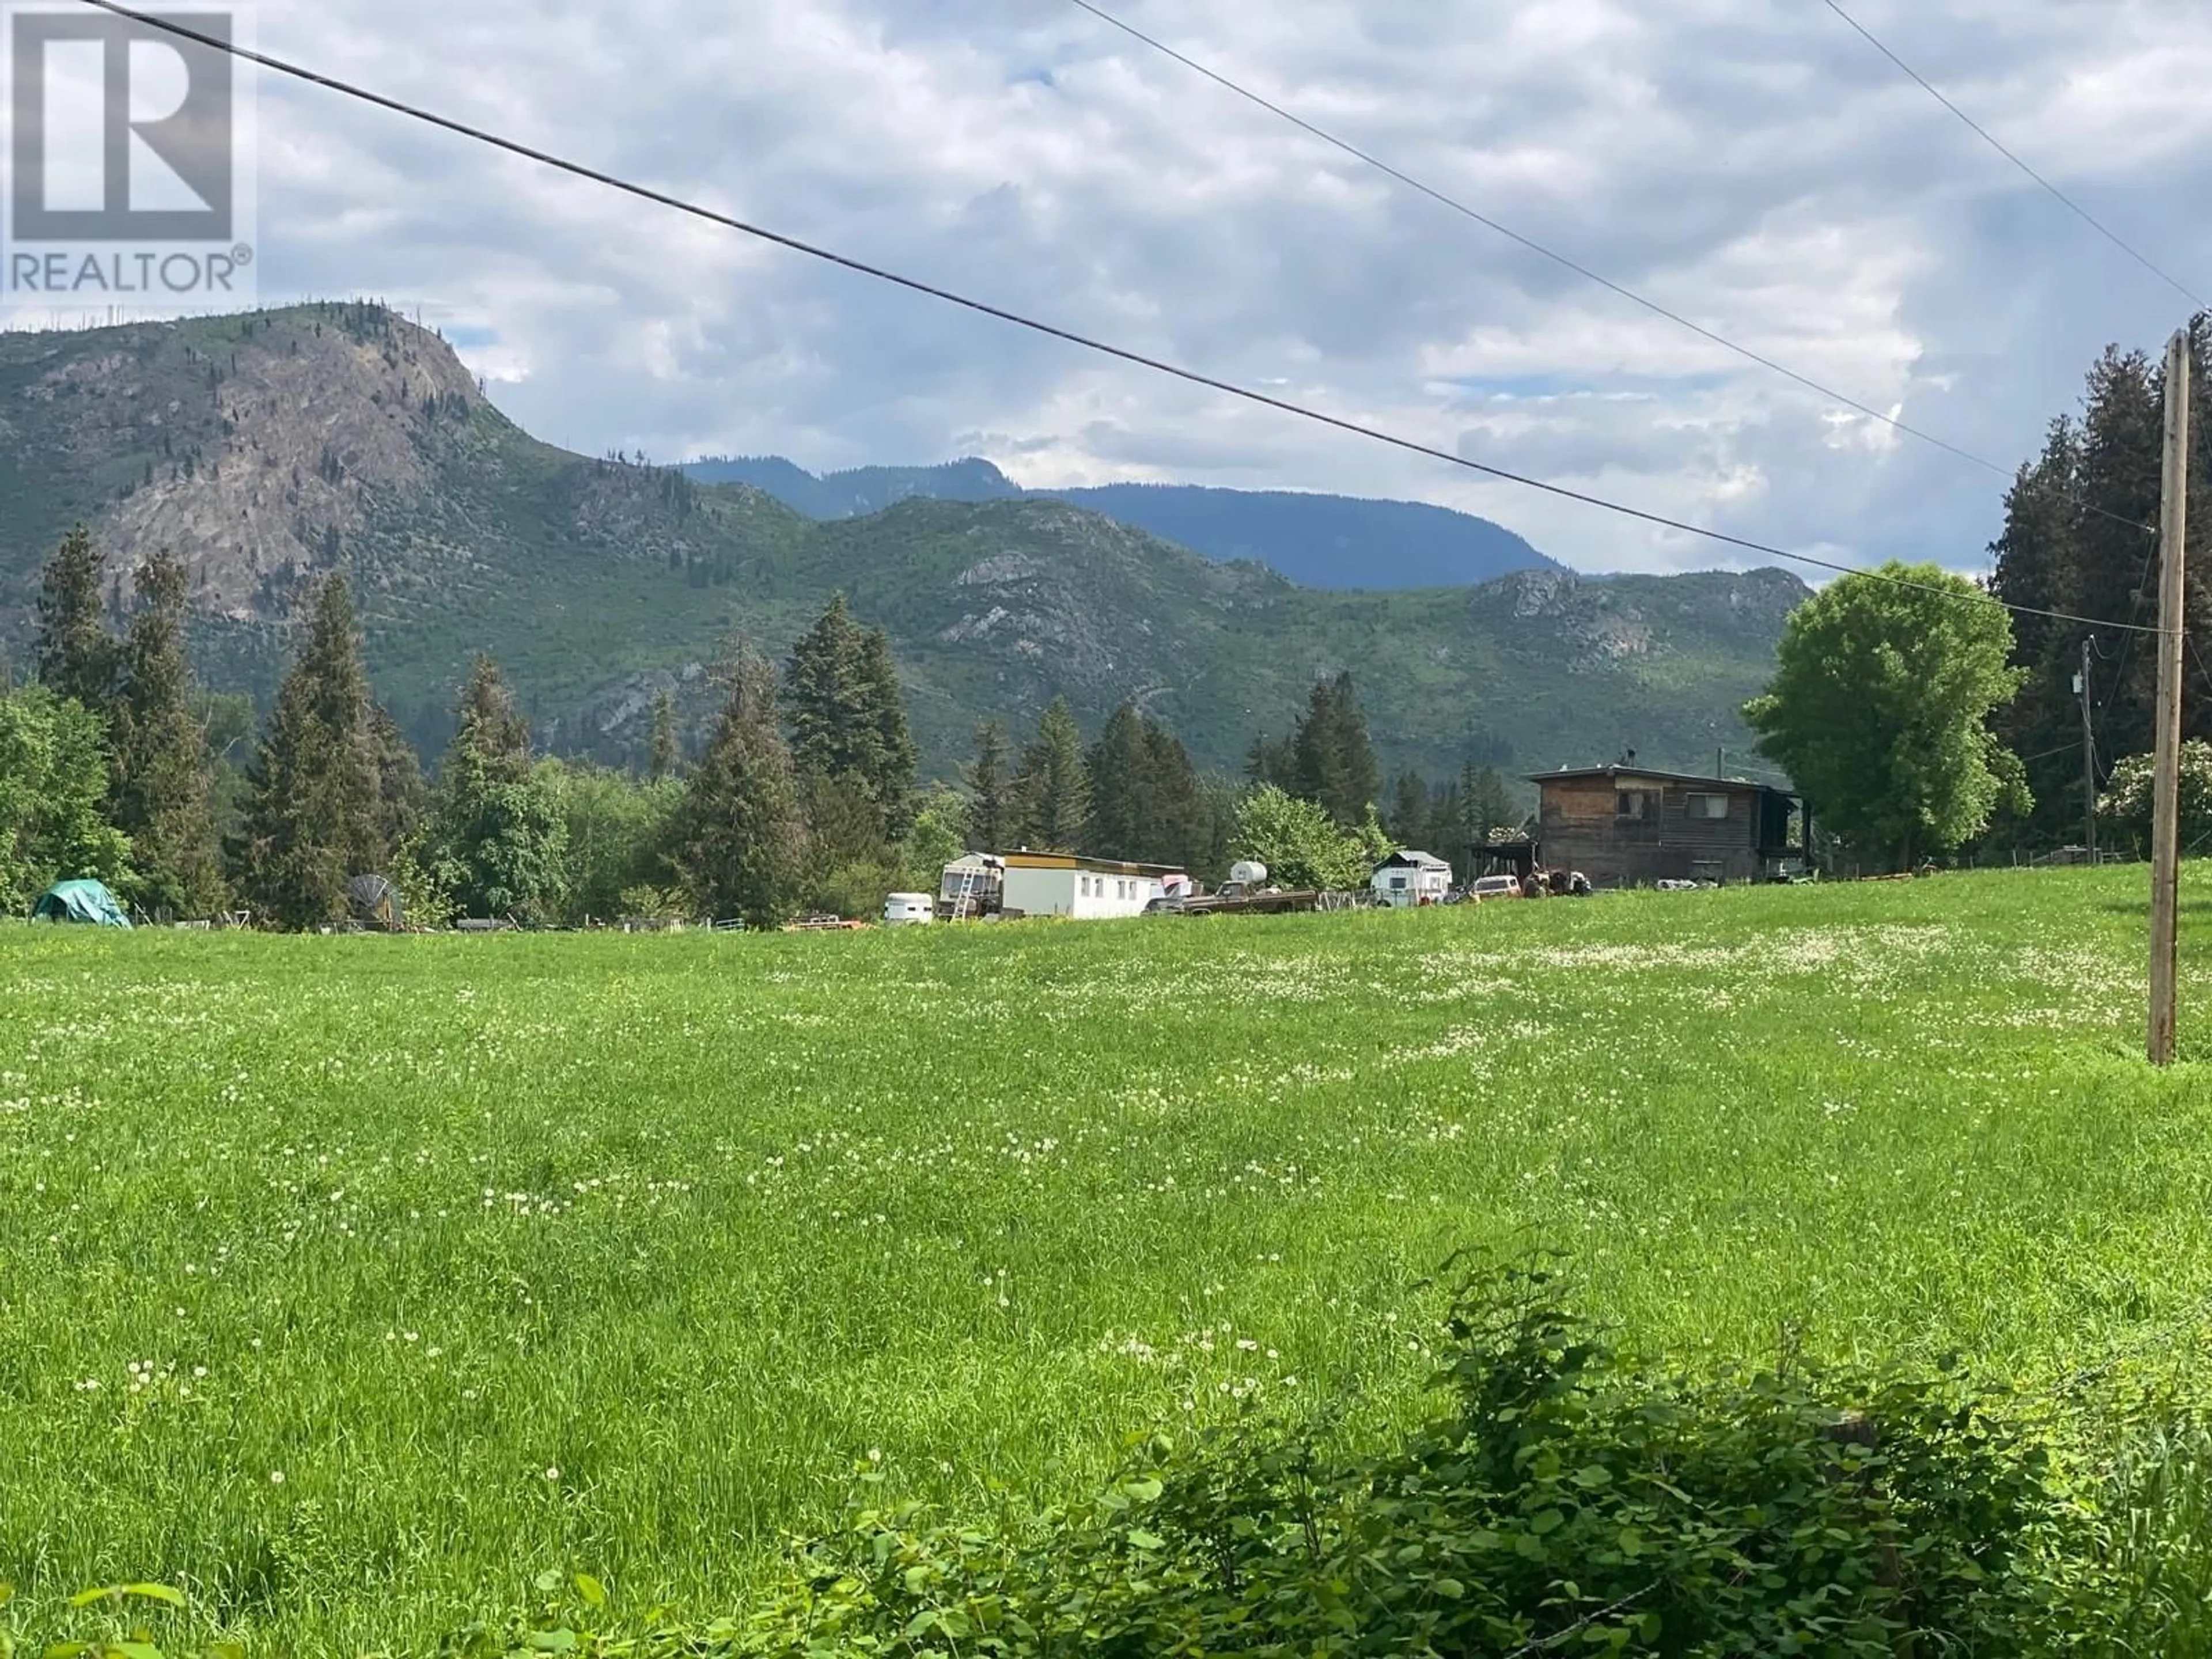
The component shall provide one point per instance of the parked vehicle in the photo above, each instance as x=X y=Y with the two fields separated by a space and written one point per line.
x=1494 y=887
x=908 y=909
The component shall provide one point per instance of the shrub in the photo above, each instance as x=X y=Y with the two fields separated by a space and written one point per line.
x=1567 y=1501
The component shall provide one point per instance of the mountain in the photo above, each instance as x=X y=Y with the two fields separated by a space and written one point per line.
x=861 y=489
x=267 y=448
x=1317 y=541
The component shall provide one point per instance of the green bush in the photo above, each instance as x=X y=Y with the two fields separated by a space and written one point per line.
x=1566 y=1501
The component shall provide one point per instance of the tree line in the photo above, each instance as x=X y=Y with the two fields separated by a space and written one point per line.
x=804 y=794
x=2079 y=537
x=1925 y=718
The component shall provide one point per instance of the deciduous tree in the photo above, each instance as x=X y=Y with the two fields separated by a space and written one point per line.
x=2125 y=807
x=1879 y=707
x=53 y=790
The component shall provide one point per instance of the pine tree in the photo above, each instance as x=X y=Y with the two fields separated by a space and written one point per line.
x=848 y=714
x=403 y=798
x=312 y=807
x=1183 y=830
x=498 y=838
x=1489 y=802
x=161 y=784
x=490 y=735
x=738 y=836
x=1053 y=789
x=664 y=758
x=1124 y=810
x=992 y=808
x=1267 y=763
x=1332 y=760
x=893 y=759
x=75 y=658
x=826 y=697
x=1409 y=810
x=1445 y=834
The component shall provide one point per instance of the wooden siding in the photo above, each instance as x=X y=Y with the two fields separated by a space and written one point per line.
x=1582 y=830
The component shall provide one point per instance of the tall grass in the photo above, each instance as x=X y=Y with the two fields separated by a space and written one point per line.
x=352 y=1282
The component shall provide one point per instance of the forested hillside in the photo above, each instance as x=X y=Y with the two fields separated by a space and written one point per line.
x=269 y=449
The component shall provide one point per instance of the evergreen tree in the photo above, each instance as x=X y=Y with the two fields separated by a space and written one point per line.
x=893 y=758
x=1331 y=758
x=991 y=809
x=2076 y=539
x=161 y=798
x=847 y=714
x=824 y=698
x=490 y=736
x=403 y=798
x=1267 y=763
x=664 y=758
x=738 y=836
x=75 y=658
x=1125 y=815
x=313 y=803
x=1489 y=802
x=1409 y=811
x=1053 y=789
x=844 y=825
x=1445 y=833
x=499 y=837
x=1186 y=829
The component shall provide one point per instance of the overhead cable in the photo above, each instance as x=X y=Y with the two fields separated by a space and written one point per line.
x=171 y=26
x=1988 y=138
x=1563 y=260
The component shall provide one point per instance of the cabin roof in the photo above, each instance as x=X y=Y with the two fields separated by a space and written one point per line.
x=1654 y=774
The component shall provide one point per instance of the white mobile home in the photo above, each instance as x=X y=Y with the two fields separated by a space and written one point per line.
x=1411 y=878
x=1064 y=884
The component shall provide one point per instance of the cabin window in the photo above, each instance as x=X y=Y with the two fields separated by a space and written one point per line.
x=1633 y=804
x=1397 y=884
x=1708 y=807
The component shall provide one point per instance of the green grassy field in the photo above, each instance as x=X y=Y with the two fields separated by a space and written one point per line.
x=351 y=1282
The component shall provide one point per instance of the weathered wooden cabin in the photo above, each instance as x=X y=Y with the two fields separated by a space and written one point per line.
x=1626 y=824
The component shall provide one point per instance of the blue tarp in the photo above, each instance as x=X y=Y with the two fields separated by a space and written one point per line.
x=87 y=902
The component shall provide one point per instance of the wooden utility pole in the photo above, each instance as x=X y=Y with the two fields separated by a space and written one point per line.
x=2088 y=756
x=2166 y=792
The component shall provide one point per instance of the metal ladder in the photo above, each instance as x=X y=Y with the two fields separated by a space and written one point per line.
x=963 y=899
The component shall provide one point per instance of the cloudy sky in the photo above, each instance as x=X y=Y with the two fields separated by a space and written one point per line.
x=1750 y=163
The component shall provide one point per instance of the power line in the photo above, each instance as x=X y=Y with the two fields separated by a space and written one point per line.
x=1560 y=259
x=679 y=205
x=1984 y=133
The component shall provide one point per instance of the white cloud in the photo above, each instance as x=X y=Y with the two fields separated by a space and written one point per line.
x=1755 y=167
